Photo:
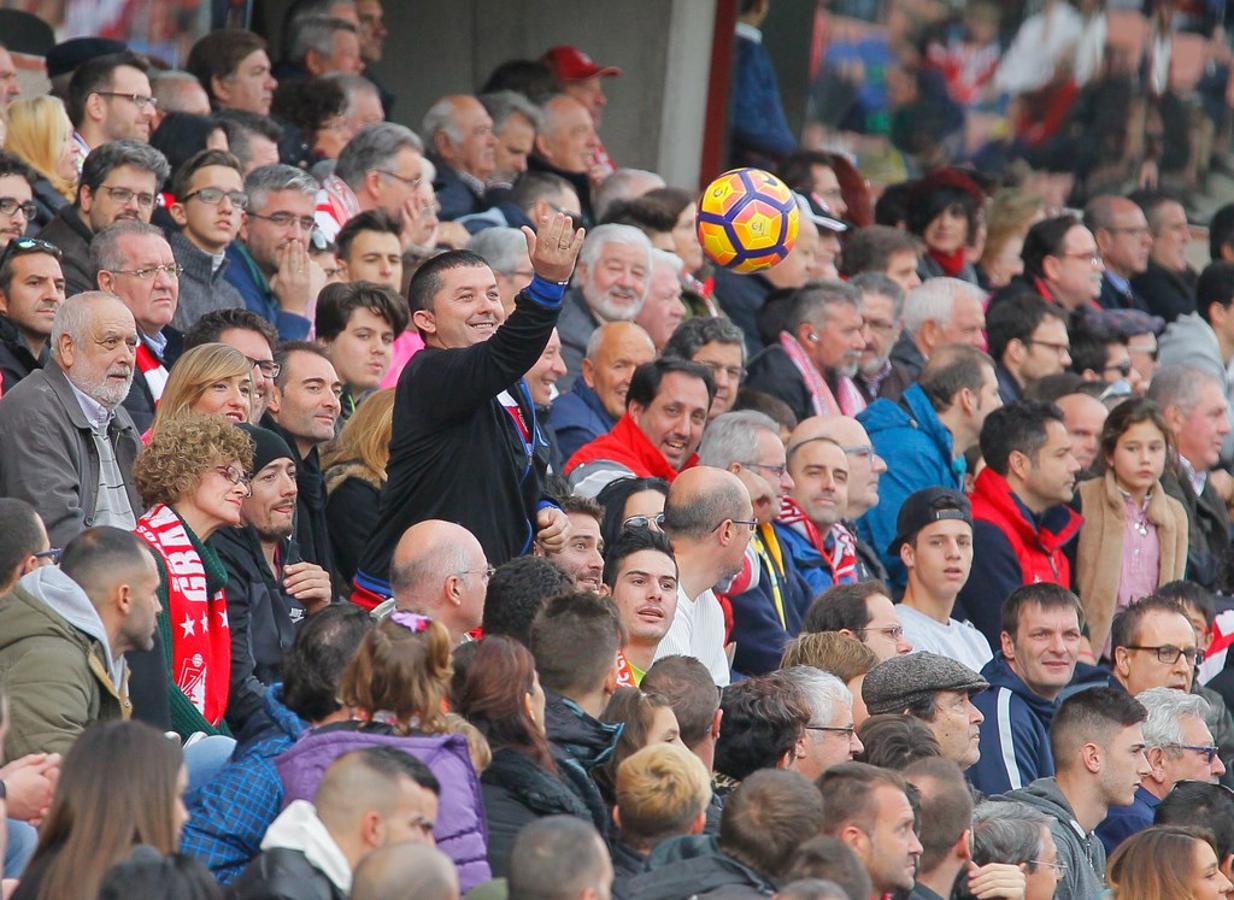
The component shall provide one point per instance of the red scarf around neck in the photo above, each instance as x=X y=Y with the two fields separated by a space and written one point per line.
x=952 y=264
x=201 y=636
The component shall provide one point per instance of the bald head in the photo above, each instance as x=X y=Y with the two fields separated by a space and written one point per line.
x=439 y=569
x=94 y=339
x=405 y=870
x=701 y=498
x=614 y=351
x=1121 y=231
x=865 y=467
x=1084 y=415
x=460 y=131
x=567 y=137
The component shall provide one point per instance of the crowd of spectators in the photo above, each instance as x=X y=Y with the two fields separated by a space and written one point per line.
x=420 y=513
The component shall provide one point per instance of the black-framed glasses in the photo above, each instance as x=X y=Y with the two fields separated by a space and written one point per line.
x=410 y=182
x=286 y=219
x=141 y=101
x=10 y=205
x=1209 y=752
x=123 y=196
x=736 y=373
x=24 y=245
x=52 y=555
x=145 y=273
x=212 y=196
x=848 y=732
x=1169 y=654
x=1122 y=368
x=656 y=521
x=1060 y=349
x=574 y=223
x=752 y=523
x=268 y=367
x=777 y=471
x=234 y=474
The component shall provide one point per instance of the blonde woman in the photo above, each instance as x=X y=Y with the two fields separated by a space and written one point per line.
x=41 y=134
x=1010 y=215
x=211 y=379
x=355 y=471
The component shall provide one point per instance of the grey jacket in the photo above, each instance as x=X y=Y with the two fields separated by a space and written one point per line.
x=574 y=326
x=1190 y=341
x=1082 y=854
x=202 y=287
x=48 y=457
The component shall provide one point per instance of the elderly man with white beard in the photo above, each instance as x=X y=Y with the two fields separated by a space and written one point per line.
x=811 y=366
x=610 y=285
x=68 y=446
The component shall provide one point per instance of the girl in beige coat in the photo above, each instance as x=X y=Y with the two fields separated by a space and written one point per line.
x=1134 y=537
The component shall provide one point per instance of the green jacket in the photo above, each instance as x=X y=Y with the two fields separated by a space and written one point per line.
x=56 y=676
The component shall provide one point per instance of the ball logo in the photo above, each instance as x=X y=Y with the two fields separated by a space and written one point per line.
x=747 y=220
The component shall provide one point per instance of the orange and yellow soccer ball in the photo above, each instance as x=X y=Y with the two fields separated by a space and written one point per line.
x=747 y=220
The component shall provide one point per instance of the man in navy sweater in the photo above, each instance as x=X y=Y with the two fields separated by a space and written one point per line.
x=466 y=445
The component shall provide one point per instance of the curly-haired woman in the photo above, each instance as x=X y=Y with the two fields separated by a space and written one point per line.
x=193 y=478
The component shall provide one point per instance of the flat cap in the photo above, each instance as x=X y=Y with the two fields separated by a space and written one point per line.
x=901 y=681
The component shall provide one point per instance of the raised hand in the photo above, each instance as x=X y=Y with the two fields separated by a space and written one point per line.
x=553 y=248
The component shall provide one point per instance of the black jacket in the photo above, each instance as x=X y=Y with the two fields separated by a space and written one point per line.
x=351 y=515
x=262 y=620
x=311 y=541
x=1208 y=530
x=455 y=195
x=1168 y=294
x=692 y=866
x=772 y=372
x=742 y=298
x=578 y=180
x=580 y=743
x=518 y=790
x=72 y=235
x=1112 y=298
x=455 y=453
x=283 y=874
x=16 y=360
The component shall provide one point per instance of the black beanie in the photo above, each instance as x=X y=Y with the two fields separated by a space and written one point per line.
x=267 y=446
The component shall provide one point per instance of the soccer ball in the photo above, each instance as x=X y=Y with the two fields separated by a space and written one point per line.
x=747 y=220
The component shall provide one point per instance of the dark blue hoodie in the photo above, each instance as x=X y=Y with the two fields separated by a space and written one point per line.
x=1015 y=736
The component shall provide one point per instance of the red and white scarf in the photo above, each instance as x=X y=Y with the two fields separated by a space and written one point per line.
x=201 y=636
x=153 y=369
x=841 y=559
x=825 y=403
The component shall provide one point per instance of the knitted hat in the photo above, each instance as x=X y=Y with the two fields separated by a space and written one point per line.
x=267 y=446
x=899 y=682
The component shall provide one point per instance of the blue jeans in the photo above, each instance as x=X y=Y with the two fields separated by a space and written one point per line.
x=21 y=840
x=206 y=757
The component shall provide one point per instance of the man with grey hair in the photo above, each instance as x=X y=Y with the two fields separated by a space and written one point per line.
x=940 y=311
x=769 y=610
x=322 y=45
x=1014 y=833
x=709 y=519
x=515 y=123
x=830 y=738
x=663 y=309
x=566 y=145
x=270 y=266
x=505 y=251
x=1195 y=409
x=119 y=180
x=440 y=570
x=624 y=184
x=180 y=92
x=463 y=147
x=68 y=446
x=882 y=305
x=122 y=254
x=1179 y=747
x=610 y=285
x=812 y=367
x=253 y=139
x=363 y=102
x=380 y=168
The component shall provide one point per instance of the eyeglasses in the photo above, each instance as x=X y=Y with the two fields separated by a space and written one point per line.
x=1139 y=231
x=268 y=367
x=1060 y=349
x=1059 y=869
x=212 y=196
x=1208 y=752
x=486 y=574
x=865 y=451
x=234 y=474
x=1093 y=258
x=1122 y=368
x=847 y=732
x=645 y=522
x=410 y=182
x=141 y=101
x=895 y=632
x=1169 y=654
x=145 y=273
x=736 y=373
x=777 y=471
x=286 y=219
x=752 y=523
x=10 y=205
x=574 y=223
x=53 y=555
x=21 y=246
x=123 y=196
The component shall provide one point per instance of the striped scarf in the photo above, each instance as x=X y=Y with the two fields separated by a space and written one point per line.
x=153 y=369
x=824 y=402
x=840 y=556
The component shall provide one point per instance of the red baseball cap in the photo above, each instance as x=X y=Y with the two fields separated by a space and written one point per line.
x=572 y=64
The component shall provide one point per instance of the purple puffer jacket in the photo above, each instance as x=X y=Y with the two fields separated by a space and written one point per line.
x=461 y=832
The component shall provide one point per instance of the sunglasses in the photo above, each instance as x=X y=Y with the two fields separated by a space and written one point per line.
x=26 y=245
